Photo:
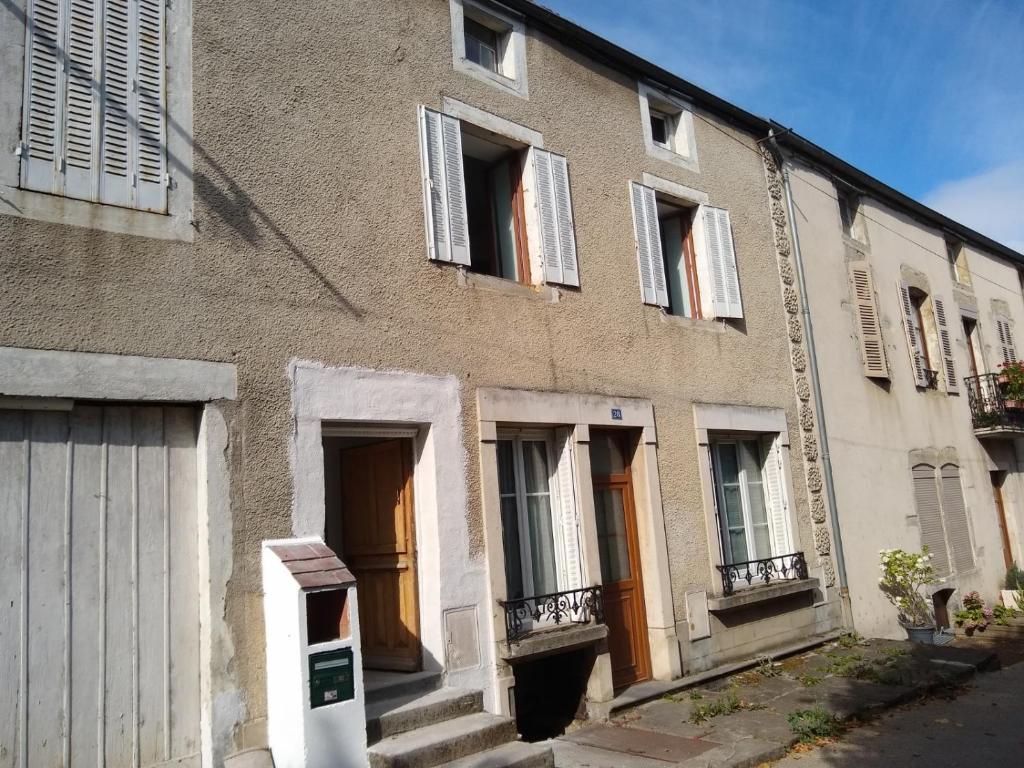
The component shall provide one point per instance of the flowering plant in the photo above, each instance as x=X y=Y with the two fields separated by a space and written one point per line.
x=1011 y=376
x=975 y=614
x=904 y=575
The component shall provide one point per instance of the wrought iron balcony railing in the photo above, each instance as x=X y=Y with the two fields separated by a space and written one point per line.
x=781 y=568
x=576 y=606
x=991 y=405
x=931 y=379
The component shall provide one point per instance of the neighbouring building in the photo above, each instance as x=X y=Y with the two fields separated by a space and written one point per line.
x=914 y=317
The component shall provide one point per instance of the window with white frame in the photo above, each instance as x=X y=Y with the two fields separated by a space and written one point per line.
x=750 y=497
x=488 y=43
x=538 y=513
x=668 y=127
x=95 y=110
x=495 y=204
x=686 y=256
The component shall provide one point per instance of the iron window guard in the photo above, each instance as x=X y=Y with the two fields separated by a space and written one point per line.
x=931 y=379
x=990 y=407
x=575 y=606
x=766 y=570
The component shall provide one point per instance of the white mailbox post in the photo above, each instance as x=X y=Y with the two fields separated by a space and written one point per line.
x=315 y=706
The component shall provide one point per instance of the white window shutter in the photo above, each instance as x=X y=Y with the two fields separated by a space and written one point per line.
x=1006 y=345
x=151 y=134
x=572 y=559
x=119 y=113
x=653 y=287
x=82 y=101
x=954 y=512
x=444 y=187
x=913 y=334
x=946 y=345
x=929 y=517
x=721 y=255
x=872 y=349
x=554 y=212
x=43 y=135
x=775 y=495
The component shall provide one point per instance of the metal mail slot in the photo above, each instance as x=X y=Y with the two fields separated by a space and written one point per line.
x=331 y=677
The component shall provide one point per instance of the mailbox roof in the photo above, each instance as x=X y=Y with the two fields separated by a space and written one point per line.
x=313 y=564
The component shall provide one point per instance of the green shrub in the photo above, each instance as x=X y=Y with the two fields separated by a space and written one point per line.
x=812 y=725
x=1014 y=578
x=807 y=680
x=724 y=705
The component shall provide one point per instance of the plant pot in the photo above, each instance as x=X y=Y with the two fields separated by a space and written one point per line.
x=1013 y=405
x=921 y=635
x=1002 y=379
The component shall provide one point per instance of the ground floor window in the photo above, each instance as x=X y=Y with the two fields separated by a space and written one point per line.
x=750 y=498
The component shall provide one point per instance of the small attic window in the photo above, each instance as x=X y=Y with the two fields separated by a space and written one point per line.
x=489 y=44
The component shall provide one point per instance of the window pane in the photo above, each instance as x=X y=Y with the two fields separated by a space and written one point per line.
x=611 y=534
x=762 y=542
x=535 y=466
x=675 y=265
x=510 y=540
x=542 y=544
x=736 y=549
x=659 y=131
x=506 y=468
x=733 y=506
x=606 y=455
x=728 y=462
x=481 y=45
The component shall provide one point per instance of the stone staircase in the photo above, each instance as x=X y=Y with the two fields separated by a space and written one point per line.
x=416 y=724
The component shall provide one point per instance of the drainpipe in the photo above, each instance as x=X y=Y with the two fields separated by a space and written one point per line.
x=812 y=358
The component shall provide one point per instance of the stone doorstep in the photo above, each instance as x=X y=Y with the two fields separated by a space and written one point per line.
x=392 y=717
x=515 y=754
x=443 y=742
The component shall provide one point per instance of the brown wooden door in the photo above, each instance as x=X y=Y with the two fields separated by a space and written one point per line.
x=997 y=496
x=622 y=583
x=379 y=548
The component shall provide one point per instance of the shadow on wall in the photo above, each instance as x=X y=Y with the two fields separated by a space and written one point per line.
x=218 y=191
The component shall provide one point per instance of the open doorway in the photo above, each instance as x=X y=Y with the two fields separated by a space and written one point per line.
x=370 y=524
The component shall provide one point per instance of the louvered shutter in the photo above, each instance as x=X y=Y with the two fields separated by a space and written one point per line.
x=1006 y=345
x=775 y=493
x=954 y=511
x=571 y=576
x=119 y=114
x=946 y=345
x=872 y=349
x=653 y=288
x=43 y=136
x=151 y=186
x=721 y=255
x=929 y=517
x=913 y=335
x=444 y=187
x=82 y=102
x=554 y=210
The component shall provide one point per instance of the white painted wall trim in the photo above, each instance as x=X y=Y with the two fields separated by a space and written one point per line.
x=738 y=418
x=492 y=122
x=684 y=151
x=678 y=191
x=515 y=405
x=449 y=577
x=88 y=375
x=513 y=79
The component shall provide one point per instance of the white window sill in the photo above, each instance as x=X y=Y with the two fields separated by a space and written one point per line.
x=82 y=213
x=692 y=323
x=760 y=594
x=545 y=293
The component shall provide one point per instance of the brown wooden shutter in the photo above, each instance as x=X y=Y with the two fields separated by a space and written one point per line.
x=954 y=511
x=872 y=350
x=913 y=336
x=945 y=346
x=929 y=517
x=1006 y=345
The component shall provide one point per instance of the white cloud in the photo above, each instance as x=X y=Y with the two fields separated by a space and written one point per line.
x=992 y=202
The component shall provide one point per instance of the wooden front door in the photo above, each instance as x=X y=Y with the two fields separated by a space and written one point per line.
x=379 y=548
x=622 y=583
x=997 y=497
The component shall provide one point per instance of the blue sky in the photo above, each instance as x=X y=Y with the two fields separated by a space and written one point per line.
x=926 y=95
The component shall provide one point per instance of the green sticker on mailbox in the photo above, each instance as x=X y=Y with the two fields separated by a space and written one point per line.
x=331 y=677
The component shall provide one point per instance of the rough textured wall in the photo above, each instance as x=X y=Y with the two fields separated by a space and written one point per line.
x=309 y=244
x=873 y=426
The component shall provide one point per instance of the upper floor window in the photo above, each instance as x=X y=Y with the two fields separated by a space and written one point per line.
x=928 y=339
x=668 y=128
x=686 y=255
x=850 y=215
x=490 y=44
x=957 y=257
x=94 y=118
x=942 y=517
x=478 y=187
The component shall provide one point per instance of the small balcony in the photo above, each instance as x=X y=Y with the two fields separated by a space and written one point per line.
x=545 y=612
x=757 y=581
x=994 y=413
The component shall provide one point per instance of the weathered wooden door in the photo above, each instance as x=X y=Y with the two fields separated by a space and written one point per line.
x=1004 y=532
x=622 y=583
x=99 y=587
x=379 y=548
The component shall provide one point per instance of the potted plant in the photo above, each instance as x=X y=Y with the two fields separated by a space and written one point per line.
x=974 y=616
x=904 y=577
x=1012 y=586
x=1011 y=384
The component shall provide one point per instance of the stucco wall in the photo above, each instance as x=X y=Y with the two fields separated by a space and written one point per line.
x=309 y=244
x=873 y=426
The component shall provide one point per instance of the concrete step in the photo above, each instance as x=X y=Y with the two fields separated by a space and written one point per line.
x=418 y=710
x=381 y=686
x=515 y=754
x=443 y=742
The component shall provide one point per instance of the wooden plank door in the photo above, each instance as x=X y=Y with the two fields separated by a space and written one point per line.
x=997 y=497
x=379 y=548
x=621 y=579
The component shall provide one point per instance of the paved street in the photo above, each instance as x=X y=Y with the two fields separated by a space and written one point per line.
x=981 y=727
